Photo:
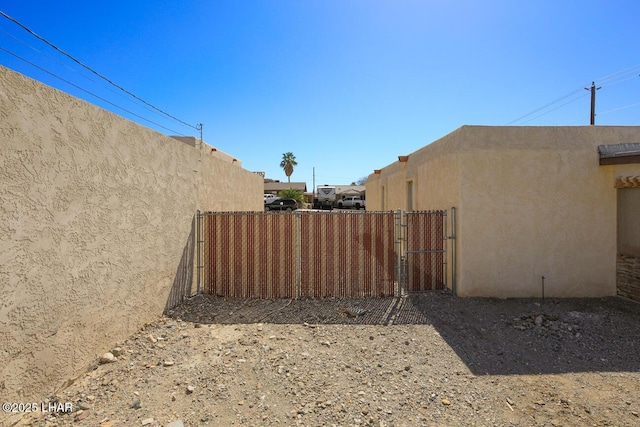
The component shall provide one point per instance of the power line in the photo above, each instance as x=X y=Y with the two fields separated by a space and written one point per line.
x=634 y=69
x=558 y=107
x=615 y=78
x=620 y=108
x=88 y=78
x=95 y=72
x=86 y=91
x=546 y=106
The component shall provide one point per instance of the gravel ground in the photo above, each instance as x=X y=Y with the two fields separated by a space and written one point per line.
x=422 y=360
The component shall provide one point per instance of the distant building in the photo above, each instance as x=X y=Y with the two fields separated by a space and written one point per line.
x=350 y=190
x=274 y=187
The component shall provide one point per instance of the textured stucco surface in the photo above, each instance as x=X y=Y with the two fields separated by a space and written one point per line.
x=531 y=202
x=95 y=217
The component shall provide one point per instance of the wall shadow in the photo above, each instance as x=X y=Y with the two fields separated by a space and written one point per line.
x=531 y=336
x=183 y=281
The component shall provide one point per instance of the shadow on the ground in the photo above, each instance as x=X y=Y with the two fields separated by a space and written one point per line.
x=529 y=336
x=491 y=336
x=210 y=309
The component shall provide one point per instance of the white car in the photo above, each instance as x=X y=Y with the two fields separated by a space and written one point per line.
x=268 y=198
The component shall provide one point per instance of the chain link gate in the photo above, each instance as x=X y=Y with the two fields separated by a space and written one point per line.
x=421 y=248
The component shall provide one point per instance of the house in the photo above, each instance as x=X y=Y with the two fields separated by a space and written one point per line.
x=548 y=211
x=343 y=191
x=274 y=187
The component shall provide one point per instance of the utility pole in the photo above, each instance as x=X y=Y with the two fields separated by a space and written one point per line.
x=199 y=127
x=593 y=90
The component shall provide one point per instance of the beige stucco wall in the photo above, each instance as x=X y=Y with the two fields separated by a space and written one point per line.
x=531 y=202
x=95 y=217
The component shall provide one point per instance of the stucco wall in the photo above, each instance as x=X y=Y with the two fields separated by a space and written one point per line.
x=96 y=221
x=532 y=202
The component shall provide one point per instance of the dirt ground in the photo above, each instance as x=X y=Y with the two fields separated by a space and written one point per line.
x=422 y=360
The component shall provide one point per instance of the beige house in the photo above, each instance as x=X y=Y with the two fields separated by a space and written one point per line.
x=531 y=202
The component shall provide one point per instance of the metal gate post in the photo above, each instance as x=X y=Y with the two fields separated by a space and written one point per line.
x=453 y=250
x=404 y=242
x=444 y=246
x=396 y=243
x=199 y=242
x=298 y=255
x=400 y=218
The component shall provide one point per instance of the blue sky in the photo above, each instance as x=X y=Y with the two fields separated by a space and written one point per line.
x=346 y=85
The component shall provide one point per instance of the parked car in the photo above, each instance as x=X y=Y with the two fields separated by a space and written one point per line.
x=268 y=198
x=354 y=202
x=282 y=205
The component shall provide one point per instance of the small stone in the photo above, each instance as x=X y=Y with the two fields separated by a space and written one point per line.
x=151 y=339
x=135 y=405
x=190 y=389
x=117 y=352
x=176 y=423
x=84 y=406
x=168 y=363
x=107 y=358
x=539 y=320
x=82 y=415
x=147 y=421
x=446 y=402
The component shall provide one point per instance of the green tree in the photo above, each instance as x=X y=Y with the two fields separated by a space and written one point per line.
x=287 y=163
x=362 y=181
x=290 y=193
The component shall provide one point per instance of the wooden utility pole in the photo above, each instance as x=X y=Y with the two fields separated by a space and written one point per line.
x=593 y=90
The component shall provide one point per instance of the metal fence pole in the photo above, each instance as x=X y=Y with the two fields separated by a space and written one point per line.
x=198 y=251
x=446 y=255
x=453 y=251
x=299 y=254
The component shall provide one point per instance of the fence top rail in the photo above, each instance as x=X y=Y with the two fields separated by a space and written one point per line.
x=432 y=212
x=296 y=212
x=321 y=212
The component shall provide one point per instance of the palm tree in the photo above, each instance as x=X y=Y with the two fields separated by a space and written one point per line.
x=287 y=163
